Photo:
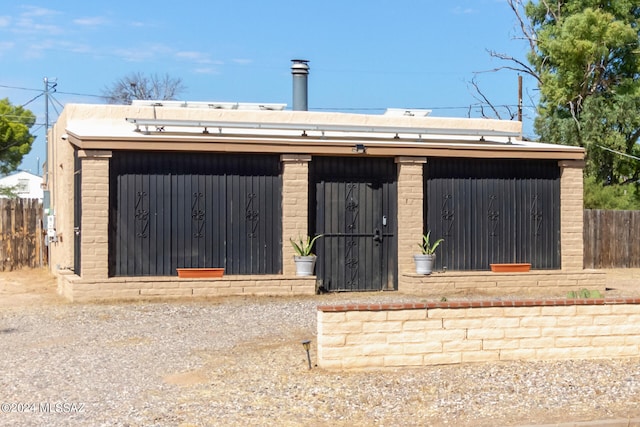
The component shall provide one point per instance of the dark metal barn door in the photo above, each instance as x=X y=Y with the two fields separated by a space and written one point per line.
x=493 y=211
x=353 y=205
x=194 y=210
x=77 y=212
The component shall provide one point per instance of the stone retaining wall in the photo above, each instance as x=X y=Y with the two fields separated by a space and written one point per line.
x=539 y=283
x=76 y=289
x=419 y=334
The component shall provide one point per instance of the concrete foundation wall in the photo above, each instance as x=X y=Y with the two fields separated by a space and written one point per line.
x=403 y=335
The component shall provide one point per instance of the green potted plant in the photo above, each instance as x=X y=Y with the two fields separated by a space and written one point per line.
x=305 y=259
x=424 y=261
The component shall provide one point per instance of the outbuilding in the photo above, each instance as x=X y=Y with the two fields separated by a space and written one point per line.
x=139 y=191
x=23 y=184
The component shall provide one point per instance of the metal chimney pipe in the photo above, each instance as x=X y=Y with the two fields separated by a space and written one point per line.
x=300 y=71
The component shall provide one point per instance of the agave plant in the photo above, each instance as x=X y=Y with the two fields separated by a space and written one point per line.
x=304 y=247
x=426 y=246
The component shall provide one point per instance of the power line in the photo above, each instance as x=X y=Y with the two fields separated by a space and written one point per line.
x=40 y=90
x=441 y=108
x=618 y=152
x=32 y=99
x=21 y=88
x=81 y=94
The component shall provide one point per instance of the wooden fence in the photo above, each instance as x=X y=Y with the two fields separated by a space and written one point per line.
x=21 y=234
x=611 y=239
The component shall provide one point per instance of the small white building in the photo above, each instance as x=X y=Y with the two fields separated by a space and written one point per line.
x=26 y=185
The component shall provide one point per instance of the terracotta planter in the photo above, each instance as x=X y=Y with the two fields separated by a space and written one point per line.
x=511 y=268
x=200 y=272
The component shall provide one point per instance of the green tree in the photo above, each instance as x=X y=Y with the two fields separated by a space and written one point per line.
x=599 y=196
x=15 y=139
x=10 y=192
x=585 y=55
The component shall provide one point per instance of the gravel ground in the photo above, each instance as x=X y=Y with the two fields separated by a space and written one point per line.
x=239 y=361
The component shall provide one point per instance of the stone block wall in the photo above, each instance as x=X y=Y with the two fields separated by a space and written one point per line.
x=94 y=230
x=571 y=218
x=295 y=196
x=410 y=218
x=540 y=283
x=78 y=289
x=421 y=334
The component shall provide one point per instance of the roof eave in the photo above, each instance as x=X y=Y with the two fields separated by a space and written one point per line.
x=324 y=146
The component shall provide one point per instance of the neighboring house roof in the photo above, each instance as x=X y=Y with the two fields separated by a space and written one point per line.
x=27 y=185
x=178 y=127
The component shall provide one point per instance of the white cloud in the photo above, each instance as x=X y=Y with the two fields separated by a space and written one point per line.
x=94 y=21
x=36 y=20
x=464 y=10
x=194 y=56
x=6 y=46
x=207 y=70
x=26 y=26
x=36 y=50
x=242 y=61
x=134 y=54
x=143 y=53
x=33 y=11
x=5 y=21
x=197 y=57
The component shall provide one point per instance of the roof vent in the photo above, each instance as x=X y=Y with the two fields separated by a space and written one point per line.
x=300 y=72
x=407 y=112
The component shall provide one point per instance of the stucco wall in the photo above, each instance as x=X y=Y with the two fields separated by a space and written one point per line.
x=59 y=180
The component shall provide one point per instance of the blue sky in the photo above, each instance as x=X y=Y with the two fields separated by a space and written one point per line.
x=365 y=55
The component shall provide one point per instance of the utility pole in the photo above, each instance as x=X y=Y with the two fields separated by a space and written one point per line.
x=46 y=109
x=49 y=162
x=520 y=98
x=47 y=87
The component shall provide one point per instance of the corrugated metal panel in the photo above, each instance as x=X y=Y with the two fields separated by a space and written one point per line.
x=77 y=213
x=172 y=210
x=493 y=211
x=353 y=204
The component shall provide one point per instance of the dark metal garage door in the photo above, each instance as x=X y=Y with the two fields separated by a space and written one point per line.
x=171 y=210
x=353 y=204
x=493 y=211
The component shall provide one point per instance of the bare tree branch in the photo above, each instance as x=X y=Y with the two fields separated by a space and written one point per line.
x=518 y=8
x=524 y=68
x=139 y=86
x=484 y=99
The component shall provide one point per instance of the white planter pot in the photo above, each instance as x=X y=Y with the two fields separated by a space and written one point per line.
x=424 y=263
x=305 y=265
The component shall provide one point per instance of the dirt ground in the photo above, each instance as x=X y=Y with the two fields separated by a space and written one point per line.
x=28 y=287
x=38 y=286
x=226 y=367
